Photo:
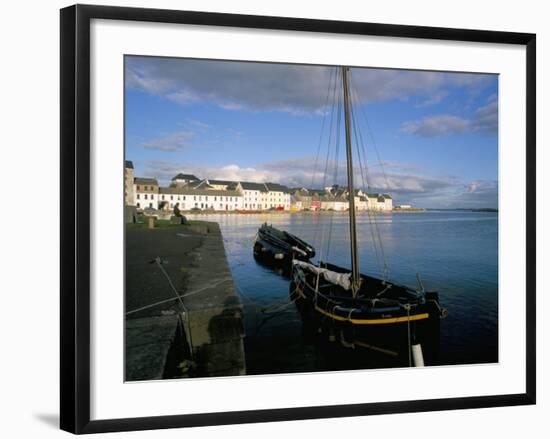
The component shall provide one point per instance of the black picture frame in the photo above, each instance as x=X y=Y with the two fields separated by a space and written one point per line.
x=75 y=214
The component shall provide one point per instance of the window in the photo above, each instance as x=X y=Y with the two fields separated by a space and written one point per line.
x=162 y=197
x=171 y=197
x=145 y=196
x=183 y=198
x=137 y=187
x=137 y=198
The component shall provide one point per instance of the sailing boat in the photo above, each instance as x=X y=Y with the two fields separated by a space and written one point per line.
x=362 y=310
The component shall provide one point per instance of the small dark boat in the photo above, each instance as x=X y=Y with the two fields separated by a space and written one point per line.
x=277 y=247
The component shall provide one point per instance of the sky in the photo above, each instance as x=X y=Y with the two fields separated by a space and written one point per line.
x=428 y=138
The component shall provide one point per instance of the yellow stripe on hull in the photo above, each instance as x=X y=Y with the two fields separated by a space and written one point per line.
x=375 y=321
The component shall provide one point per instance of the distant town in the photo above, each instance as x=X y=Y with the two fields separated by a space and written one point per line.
x=191 y=193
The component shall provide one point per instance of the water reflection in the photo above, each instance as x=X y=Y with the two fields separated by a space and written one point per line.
x=456 y=253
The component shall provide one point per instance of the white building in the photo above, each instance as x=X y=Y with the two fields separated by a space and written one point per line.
x=296 y=204
x=361 y=202
x=379 y=202
x=146 y=192
x=385 y=202
x=203 y=199
x=252 y=195
x=276 y=196
x=190 y=192
x=338 y=204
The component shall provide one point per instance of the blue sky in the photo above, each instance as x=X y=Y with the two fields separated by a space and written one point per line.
x=430 y=138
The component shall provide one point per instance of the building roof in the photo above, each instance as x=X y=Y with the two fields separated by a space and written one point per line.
x=276 y=187
x=249 y=186
x=299 y=195
x=332 y=199
x=128 y=164
x=185 y=190
x=299 y=189
x=221 y=182
x=184 y=177
x=378 y=196
x=339 y=192
x=146 y=180
x=199 y=184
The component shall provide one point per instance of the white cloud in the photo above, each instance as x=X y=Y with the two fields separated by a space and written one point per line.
x=171 y=142
x=296 y=89
x=434 y=99
x=486 y=117
x=405 y=187
x=433 y=126
x=485 y=120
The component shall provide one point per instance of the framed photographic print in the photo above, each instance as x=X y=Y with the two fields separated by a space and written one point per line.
x=285 y=218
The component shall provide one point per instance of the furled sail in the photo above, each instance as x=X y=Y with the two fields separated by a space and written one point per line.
x=341 y=279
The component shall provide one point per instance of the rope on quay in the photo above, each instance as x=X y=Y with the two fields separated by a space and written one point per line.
x=158 y=261
x=200 y=290
x=179 y=297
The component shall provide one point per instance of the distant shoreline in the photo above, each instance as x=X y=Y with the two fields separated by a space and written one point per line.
x=282 y=212
x=167 y=214
x=465 y=209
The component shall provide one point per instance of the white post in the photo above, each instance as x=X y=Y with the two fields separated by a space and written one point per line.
x=418 y=359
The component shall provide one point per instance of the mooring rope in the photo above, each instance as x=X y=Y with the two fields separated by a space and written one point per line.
x=178 y=297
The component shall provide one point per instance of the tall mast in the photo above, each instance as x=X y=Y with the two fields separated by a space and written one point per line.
x=355 y=278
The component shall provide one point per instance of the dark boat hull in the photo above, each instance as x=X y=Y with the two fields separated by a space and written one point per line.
x=278 y=248
x=384 y=317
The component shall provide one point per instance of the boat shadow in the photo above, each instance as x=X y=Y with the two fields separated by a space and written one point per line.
x=281 y=269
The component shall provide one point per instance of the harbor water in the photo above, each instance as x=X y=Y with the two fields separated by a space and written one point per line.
x=454 y=253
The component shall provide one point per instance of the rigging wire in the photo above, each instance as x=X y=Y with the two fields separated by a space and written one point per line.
x=334 y=88
x=361 y=146
x=333 y=134
x=322 y=128
x=373 y=141
x=335 y=172
x=384 y=173
x=364 y=179
x=375 y=233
